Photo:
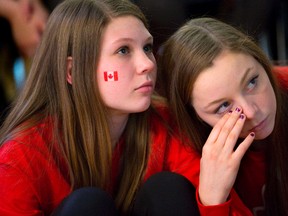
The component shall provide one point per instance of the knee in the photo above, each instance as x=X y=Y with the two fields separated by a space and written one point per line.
x=166 y=193
x=87 y=201
x=170 y=181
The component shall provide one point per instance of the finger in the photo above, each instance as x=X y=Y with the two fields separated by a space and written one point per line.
x=228 y=127
x=217 y=128
x=234 y=134
x=243 y=146
x=25 y=7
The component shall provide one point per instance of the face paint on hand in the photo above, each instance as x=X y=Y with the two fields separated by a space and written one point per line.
x=110 y=76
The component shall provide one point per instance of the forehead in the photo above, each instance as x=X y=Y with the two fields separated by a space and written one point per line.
x=223 y=77
x=124 y=27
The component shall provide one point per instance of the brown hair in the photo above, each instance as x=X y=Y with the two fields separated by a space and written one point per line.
x=185 y=55
x=79 y=115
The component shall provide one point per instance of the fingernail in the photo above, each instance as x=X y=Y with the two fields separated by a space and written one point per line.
x=230 y=111
x=252 y=134
x=237 y=109
x=242 y=116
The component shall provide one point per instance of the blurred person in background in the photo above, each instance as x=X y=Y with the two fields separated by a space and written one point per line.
x=22 y=23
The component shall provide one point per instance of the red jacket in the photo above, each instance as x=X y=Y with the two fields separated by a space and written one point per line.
x=33 y=183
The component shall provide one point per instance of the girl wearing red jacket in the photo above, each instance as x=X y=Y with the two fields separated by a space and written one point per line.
x=221 y=88
x=85 y=120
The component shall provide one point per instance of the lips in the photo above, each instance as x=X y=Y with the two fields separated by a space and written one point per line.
x=146 y=85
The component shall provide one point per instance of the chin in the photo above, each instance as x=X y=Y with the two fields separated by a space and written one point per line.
x=138 y=110
x=143 y=107
x=258 y=135
x=261 y=136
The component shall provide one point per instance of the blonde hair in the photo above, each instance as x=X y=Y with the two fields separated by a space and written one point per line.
x=77 y=112
x=185 y=55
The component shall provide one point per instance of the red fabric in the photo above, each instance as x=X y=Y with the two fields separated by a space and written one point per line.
x=251 y=180
x=30 y=181
x=282 y=75
x=32 y=184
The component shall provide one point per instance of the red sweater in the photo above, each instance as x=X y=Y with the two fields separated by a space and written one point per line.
x=31 y=182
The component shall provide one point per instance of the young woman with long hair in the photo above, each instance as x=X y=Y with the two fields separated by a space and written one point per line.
x=228 y=102
x=86 y=131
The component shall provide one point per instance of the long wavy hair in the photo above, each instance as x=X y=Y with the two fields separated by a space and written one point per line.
x=191 y=50
x=79 y=116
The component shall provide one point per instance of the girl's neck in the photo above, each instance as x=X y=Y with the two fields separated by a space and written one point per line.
x=117 y=125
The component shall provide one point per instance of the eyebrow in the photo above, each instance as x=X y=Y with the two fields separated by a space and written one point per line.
x=241 y=83
x=148 y=39
x=245 y=75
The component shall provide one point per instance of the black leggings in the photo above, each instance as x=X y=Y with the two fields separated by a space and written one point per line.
x=164 y=193
x=88 y=201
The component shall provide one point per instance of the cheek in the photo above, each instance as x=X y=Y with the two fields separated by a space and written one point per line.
x=269 y=95
x=268 y=103
x=209 y=119
x=154 y=76
x=273 y=101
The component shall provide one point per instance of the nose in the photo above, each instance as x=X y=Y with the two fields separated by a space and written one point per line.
x=39 y=16
x=40 y=22
x=146 y=63
x=249 y=107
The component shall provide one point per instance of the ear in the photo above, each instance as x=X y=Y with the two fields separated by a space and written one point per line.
x=69 y=70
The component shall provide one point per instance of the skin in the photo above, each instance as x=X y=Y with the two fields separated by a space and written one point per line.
x=236 y=80
x=236 y=98
x=126 y=48
x=28 y=20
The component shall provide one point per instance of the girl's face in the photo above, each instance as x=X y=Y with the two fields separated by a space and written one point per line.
x=236 y=80
x=126 y=72
x=30 y=23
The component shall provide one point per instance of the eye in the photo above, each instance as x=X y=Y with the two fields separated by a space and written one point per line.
x=252 y=83
x=123 y=50
x=223 y=108
x=148 y=48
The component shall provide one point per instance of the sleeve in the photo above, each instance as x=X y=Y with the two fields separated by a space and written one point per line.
x=17 y=197
x=31 y=183
x=185 y=161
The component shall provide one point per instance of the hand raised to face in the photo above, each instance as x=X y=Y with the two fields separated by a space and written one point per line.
x=221 y=158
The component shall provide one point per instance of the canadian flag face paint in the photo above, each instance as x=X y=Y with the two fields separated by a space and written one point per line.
x=110 y=76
